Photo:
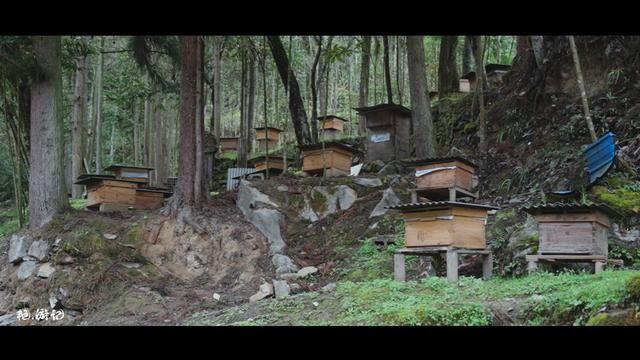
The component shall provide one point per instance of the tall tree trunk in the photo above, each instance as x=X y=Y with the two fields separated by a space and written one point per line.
x=420 y=108
x=387 y=70
x=321 y=81
x=215 y=87
x=244 y=133
x=296 y=106
x=581 y=87
x=522 y=45
x=448 y=79
x=467 y=56
x=398 y=69
x=136 y=132
x=90 y=149
x=251 y=102
x=185 y=191
x=78 y=135
x=147 y=154
x=200 y=183
x=478 y=47
x=314 y=91
x=98 y=137
x=112 y=140
x=364 y=80
x=47 y=195
x=159 y=156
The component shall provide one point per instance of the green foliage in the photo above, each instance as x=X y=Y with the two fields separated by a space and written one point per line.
x=632 y=288
x=8 y=222
x=78 y=204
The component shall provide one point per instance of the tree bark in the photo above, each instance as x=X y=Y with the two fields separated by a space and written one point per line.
x=184 y=194
x=448 y=79
x=420 y=108
x=147 y=154
x=200 y=183
x=215 y=86
x=251 y=102
x=159 y=156
x=98 y=111
x=314 y=90
x=581 y=87
x=47 y=195
x=467 y=56
x=79 y=115
x=363 y=98
x=387 y=70
x=296 y=106
x=478 y=47
x=244 y=133
x=136 y=132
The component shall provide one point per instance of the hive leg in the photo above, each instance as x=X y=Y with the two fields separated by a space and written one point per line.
x=398 y=267
x=599 y=265
x=532 y=266
x=487 y=266
x=452 y=194
x=414 y=197
x=452 y=265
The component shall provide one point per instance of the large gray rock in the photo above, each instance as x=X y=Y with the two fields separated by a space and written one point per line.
x=259 y=210
x=283 y=264
x=346 y=196
x=39 y=250
x=306 y=271
x=46 y=270
x=521 y=240
x=281 y=288
x=394 y=167
x=308 y=213
x=389 y=198
x=264 y=291
x=627 y=238
x=334 y=198
x=8 y=319
x=25 y=269
x=368 y=182
x=17 y=248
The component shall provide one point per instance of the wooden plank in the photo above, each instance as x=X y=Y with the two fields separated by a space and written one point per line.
x=564 y=257
x=469 y=233
x=594 y=216
x=423 y=250
x=566 y=238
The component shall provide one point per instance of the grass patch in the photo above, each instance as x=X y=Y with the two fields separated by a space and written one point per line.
x=78 y=204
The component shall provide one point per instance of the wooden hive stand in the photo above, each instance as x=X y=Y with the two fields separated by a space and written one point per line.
x=572 y=232
x=441 y=179
x=438 y=227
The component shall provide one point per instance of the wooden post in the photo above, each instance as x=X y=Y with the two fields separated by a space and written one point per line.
x=487 y=266
x=414 y=196
x=452 y=265
x=452 y=194
x=398 y=267
x=532 y=266
x=599 y=266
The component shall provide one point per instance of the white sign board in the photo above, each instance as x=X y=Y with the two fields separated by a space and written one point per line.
x=381 y=137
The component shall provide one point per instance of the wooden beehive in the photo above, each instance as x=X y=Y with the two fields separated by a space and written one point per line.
x=572 y=229
x=388 y=131
x=111 y=191
x=260 y=163
x=445 y=223
x=267 y=136
x=229 y=143
x=331 y=122
x=444 y=173
x=337 y=158
x=130 y=173
x=149 y=198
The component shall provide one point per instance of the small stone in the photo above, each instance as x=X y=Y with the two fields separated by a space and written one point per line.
x=67 y=260
x=110 y=236
x=305 y=271
x=17 y=248
x=216 y=296
x=53 y=302
x=46 y=270
x=264 y=291
x=295 y=288
x=316 y=304
x=328 y=288
x=26 y=269
x=131 y=265
x=368 y=182
x=288 y=276
x=281 y=288
x=8 y=319
x=283 y=188
x=39 y=250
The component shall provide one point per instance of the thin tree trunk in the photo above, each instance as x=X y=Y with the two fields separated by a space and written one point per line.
x=364 y=80
x=242 y=151
x=467 y=56
x=296 y=106
x=581 y=87
x=215 y=87
x=387 y=70
x=147 y=130
x=420 y=108
x=47 y=195
x=314 y=91
x=136 y=132
x=159 y=162
x=251 y=102
x=98 y=137
x=78 y=135
x=478 y=46
x=200 y=183
x=398 y=62
x=448 y=79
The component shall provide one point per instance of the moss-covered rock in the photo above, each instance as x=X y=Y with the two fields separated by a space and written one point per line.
x=625 y=317
x=632 y=288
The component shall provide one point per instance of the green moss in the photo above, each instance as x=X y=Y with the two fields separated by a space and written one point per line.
x=318 y=202
x=598 y=320
x=632 y=288
x=78 y=204
x=84 y=243
x=469 y=128
x=619 y=198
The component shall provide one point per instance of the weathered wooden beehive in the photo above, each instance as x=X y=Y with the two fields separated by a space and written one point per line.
x=444 y=178
x=137 y=174
x=388 y=131
x=445 y=223
x=494 y=75
x=148 y=198
x=336 y=158
x=331 y=126
x=267 y=136
x=261 y=163
x=572 y=229
x=229 y=144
